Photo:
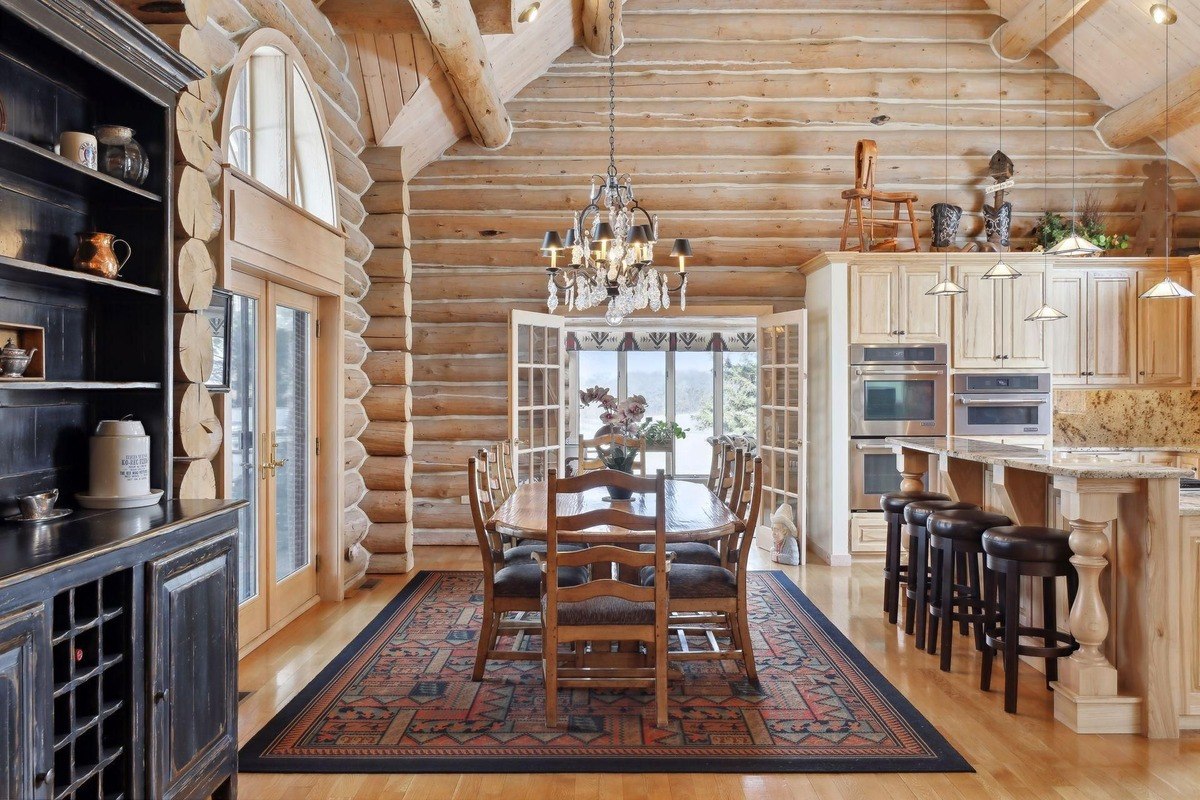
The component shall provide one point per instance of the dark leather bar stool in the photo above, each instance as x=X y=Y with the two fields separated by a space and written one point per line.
x=956 y=594
x=1011 y=552
x=894 y=573
x=916 y=591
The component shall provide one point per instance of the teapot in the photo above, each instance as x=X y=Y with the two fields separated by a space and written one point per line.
x=95 y=254
x=14 y=360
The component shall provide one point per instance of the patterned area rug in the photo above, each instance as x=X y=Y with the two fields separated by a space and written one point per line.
x=400 y=699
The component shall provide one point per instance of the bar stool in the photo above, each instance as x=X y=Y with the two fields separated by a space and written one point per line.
x=1011 y=552
x=894 y=574
x=916 y=591
x=955 y=548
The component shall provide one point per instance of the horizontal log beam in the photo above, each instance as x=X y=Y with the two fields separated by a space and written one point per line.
x=1144 y=116
x=1032 y=25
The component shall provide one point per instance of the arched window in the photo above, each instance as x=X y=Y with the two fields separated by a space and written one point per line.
x=274 y=131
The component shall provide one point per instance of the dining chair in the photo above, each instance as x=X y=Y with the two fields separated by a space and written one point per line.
x=497 y=488
x=512 y=582
x=508 y=479
x=728 y=468
x=737 y=500
x=605 y=608
x=710 y=601
x=589 y=451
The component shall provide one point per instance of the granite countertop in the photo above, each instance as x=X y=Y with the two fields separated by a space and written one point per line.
x=1168 y=448
x=1051 y=462
x=1189 y=503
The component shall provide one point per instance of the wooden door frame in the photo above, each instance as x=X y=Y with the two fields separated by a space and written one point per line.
x=255 y=222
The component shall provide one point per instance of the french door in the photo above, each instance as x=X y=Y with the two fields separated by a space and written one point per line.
x=535 y=385
x=273 y=448
x=782 y=421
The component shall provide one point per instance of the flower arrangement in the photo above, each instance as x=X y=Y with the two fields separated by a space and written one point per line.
x=623 y=418
x=1052 y=228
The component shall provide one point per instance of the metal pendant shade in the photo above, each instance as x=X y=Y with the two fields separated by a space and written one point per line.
x=945 y=288
x=1047 y=313
x=1001 y=271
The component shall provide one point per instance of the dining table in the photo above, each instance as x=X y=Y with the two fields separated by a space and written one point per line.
x=694 y=514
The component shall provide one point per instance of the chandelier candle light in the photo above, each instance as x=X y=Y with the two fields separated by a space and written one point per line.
x=610 y=244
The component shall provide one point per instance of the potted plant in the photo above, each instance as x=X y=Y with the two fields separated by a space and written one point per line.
x=623 y=419
x=1051 y=228
x=660 y=434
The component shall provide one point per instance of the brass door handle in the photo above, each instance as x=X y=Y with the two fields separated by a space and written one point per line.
x=276 y=461
x=268 y=466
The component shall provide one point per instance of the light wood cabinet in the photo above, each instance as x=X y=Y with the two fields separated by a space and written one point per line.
x=888 y=305
x=990 y=331
x=1163 y=334
x=1110 y=337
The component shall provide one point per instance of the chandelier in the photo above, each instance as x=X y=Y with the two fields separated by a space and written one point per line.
x=610 y=244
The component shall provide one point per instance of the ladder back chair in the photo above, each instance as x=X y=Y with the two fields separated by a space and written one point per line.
x=724 y=485
x=605 y=608
x=508 y=479
x=589 y=451
x=710 y=601
x=863 y=197
x=738 y=496
x=512 y=582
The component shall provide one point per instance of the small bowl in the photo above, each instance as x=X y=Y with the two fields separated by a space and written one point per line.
x=114 y=134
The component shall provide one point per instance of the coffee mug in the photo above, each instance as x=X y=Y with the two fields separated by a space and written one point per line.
x=78 y=147
x=37 y=506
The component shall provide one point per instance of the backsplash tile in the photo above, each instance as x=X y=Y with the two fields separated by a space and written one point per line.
x=1126 y=417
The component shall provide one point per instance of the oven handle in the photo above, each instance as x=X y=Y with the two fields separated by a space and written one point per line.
x=899 y=374
x=883 y=448
x=968 y=401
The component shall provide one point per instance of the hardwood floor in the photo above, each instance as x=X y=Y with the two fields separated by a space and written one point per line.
x=1023 y=756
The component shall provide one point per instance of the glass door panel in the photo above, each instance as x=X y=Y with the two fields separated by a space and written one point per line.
x=243 y=437
x=293 y=380
x=782 y=418
x=535 y=392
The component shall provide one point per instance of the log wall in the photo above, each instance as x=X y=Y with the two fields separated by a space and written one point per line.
x=738 y=121
x=210 y=33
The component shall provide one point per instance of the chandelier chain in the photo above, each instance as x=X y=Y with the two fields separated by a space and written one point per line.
x=612 y=88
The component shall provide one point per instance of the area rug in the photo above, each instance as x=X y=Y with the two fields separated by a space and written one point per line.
x=400 y=698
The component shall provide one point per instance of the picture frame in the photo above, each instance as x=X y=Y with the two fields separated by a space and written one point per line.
x=218 y=315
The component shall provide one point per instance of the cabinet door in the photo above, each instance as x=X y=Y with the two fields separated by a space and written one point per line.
x=25 y=705
x=1024 y=342
x=873 y=307
x=1163 y=334
x=193 y=666
x=1112 y=326
x=922 y=318
x=976 y=345
x=1068 y=351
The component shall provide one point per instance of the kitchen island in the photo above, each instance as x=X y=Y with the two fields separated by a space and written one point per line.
x=1136 y=548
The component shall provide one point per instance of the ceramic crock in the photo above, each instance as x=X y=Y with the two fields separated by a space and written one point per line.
x=120 y=459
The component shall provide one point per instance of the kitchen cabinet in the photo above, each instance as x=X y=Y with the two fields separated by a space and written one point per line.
x=1112 y=338
x=25 y=703
x=990 y=331
x=193 y=665
x=1163 y=334
x=888 y=305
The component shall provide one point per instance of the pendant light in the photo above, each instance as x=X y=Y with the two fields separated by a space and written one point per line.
x=1166 y=289
x=946 y=287
x=1001 y=270
x=1047 y=312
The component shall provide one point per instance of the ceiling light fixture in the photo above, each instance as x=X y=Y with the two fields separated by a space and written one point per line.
x=530 y=13
x=611 y=241
x=946 y=287
x=1001 y=270
x=1166 y=289
x=1163 y=14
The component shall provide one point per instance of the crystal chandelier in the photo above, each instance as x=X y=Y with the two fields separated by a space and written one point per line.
x=610 y=244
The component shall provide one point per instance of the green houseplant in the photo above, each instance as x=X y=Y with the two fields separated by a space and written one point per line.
x=1052 y=227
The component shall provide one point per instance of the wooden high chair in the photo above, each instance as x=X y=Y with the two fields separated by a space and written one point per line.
x=865 y=195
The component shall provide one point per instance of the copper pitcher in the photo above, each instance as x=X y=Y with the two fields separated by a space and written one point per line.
x=95 y=254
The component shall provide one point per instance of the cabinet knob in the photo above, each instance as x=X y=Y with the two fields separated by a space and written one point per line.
x=42 y=778
x=1142 y=372
x=160 y=695
x=902 y=333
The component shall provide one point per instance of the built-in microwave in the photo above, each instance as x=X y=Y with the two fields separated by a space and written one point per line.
x=898 y=390
x=991 y=404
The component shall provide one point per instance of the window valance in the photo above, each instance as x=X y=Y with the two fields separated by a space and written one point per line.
x=690 y=341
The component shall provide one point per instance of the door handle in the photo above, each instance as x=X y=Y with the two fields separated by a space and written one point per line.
x=276 y=461
x=268 y=466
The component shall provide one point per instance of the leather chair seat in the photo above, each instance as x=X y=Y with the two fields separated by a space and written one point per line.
x=918 y=512
x=524 y=552
x=603 y=610
x=695 y=581
x=692 y=553
x=1027 y=543
x=525 y=580
x=894 y=502
x=964 y=524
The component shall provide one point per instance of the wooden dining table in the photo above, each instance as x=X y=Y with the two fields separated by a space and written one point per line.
x=694 y=514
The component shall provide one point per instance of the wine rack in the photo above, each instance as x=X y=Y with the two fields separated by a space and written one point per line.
x=92 y=689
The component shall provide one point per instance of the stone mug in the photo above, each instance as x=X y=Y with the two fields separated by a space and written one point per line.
x=37 y=506
x=96 y=254
x=79 y=147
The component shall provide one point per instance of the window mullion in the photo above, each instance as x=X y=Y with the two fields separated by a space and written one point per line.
x=622 y=375
x=718 y=394
x=670 y=407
